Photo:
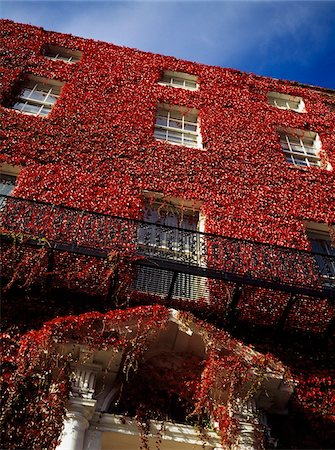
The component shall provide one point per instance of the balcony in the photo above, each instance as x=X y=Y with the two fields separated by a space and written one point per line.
x=172 y=263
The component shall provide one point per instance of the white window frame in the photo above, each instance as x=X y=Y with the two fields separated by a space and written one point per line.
x=286 y=101
x=188 y=117
x=179 y=80
x=186 y=207
x=56 y=53
x=301 y=148
x=118 y=428
x=51 y=89
x=191 y=287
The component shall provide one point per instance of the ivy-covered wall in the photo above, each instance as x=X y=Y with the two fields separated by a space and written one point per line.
x=96 y=151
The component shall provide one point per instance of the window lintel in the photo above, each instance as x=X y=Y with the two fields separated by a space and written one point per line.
x=8 y=169
x=43 y=80
x=178 y=202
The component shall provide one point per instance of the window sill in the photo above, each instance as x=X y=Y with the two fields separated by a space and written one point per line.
x=17 y=111
x=289 y=109
x=50 y=58
x=178 y=87
x=306 y=169
x=180 y=145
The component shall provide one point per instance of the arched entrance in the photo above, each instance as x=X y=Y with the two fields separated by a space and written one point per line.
x=152 y=401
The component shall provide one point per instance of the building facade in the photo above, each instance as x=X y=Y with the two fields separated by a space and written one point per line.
x=158 y=216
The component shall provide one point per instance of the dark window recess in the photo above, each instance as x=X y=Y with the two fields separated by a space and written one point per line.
x=62 y=54
x=7 y=183
x=321 y=244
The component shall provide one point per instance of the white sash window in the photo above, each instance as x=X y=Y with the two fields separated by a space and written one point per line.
x=37 y=96
x=182 y=244
x=56 y=53
x=178 y=125
x=285 y=101
x=179 y=80
x=301 y=148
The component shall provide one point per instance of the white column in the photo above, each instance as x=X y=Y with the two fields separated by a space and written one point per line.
x=75 y=425
x=249 y=432
x=93 y=439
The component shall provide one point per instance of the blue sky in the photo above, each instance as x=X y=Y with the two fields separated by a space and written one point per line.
x=293 y=40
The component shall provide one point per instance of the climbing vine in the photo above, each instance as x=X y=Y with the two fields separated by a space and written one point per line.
x=37 y=375
x=95 y=151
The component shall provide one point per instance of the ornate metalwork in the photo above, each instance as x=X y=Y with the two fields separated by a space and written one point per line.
x=191 y=254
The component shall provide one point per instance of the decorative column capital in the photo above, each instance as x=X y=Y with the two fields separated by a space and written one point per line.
x=83 y=383
x=81 y=408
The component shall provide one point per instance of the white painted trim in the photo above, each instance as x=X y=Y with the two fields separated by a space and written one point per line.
x=292 y=102
x=168 y=74
x=173 y=431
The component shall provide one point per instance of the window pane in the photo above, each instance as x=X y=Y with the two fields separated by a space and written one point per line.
x=51 y=99
x=7 y=184
x=38 y=95
x=190 y=137
x=297 y=148
x=160 y=134
x=294 y=140
x=280 y=103
x=178 y=81
x=191 y=84
x=294 y=105
x=55 y=90
x=161 y=121
x=167 y=79
x=174 y=137
x=175 y=124
x=310 y=150
x=31 y=108
x=63 y=58
x=300 y=161
x=26 y=93
x=322 y=246
x=19 y=105
x=190 y=127
x=44 y=111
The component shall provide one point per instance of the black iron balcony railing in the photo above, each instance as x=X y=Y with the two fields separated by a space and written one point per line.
x=165 y=249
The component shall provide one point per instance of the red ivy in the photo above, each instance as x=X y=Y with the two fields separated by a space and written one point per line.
x=96 y=151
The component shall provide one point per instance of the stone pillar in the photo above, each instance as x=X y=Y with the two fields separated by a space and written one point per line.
x=75 y=425
x=93 y=439
x=81 y=406
x=249 y=432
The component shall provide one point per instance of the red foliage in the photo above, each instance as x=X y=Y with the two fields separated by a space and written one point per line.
x=96 y=151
